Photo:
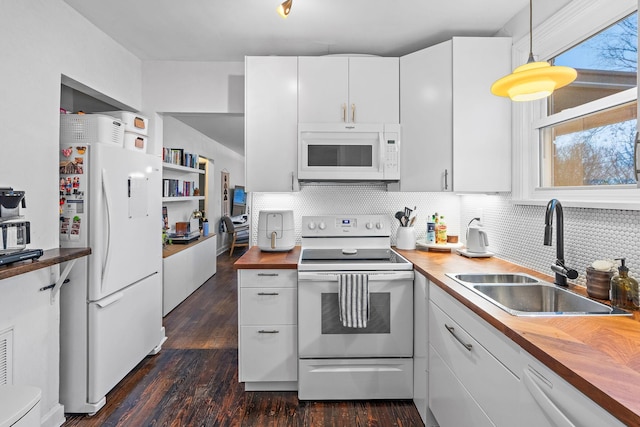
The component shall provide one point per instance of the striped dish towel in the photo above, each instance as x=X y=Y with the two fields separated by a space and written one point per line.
x=353 y=297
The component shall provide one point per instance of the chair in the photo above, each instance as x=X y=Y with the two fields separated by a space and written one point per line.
x=239 y=237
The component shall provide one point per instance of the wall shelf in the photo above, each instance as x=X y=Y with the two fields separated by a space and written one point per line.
x=182 y=199
x=181 y=168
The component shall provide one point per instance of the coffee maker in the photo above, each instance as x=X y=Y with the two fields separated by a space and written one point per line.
x=15 y=232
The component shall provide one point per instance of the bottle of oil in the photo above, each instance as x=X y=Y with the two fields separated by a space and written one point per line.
x=441 y=231
x=624 y=289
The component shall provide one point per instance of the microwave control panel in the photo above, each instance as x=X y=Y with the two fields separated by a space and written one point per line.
x=391 y=153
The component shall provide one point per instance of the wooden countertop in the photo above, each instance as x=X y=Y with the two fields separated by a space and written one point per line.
x=600 y=356
x=49 y=258
x=174 y=248
x=254 y=258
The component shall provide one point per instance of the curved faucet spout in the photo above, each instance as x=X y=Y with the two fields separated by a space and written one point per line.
x=563 y=272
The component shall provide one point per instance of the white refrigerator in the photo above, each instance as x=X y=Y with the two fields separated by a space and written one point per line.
x=111 y=305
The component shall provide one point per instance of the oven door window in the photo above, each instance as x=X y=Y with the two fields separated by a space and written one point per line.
x=379 y=320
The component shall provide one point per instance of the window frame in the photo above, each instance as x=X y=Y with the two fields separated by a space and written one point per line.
x=570 y=25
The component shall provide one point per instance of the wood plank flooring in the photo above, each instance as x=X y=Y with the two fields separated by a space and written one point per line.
x=193 y=381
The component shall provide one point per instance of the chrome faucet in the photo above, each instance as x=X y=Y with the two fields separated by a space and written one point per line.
x=562 y=272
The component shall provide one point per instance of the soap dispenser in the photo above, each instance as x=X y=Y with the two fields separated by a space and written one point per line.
x=624 y=289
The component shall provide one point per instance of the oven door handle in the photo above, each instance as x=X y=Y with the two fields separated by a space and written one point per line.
x=306 y=276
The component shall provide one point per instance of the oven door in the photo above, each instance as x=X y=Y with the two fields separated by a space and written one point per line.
x=389 y=331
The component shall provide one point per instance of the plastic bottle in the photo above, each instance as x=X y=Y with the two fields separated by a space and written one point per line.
x=205 y=228
x=624 y=289
x=441 y=231
x=431 y=230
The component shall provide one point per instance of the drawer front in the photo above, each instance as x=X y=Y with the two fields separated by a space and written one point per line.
x=268 y=353
x=249 y=278
x=475 y=367
x=259 y=306
x=450 y=403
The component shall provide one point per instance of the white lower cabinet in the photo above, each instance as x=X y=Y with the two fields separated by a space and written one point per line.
x=548 y=400
x=479 y=377
x=267 y=332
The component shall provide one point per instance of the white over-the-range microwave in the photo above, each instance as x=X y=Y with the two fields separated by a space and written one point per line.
x=348 y=152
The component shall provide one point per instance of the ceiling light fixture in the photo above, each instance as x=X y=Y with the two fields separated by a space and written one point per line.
x=533 y=80
x=284 y=8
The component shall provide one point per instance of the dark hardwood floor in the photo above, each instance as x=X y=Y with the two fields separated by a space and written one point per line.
x=193 y=381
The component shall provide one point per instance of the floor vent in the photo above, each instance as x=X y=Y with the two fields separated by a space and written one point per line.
x=6 y=356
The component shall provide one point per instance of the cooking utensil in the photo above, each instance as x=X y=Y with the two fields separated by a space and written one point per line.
x=400 y=217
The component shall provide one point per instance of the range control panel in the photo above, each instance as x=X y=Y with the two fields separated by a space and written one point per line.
x=346 y=225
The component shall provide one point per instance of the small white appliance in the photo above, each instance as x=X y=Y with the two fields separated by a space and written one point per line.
x=276 y=231
x=348 y=152
x=477 y=242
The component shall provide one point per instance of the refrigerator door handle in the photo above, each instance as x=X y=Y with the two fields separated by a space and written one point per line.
x=107 y=203
x=105 y=302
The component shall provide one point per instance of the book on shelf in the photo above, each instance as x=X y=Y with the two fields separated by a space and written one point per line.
x=177 y=188
x=178 y=156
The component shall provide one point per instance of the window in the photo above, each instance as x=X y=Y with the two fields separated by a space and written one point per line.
x=596 y=148
x=578 y=144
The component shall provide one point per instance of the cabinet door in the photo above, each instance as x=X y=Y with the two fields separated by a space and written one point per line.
x=426 y=119
x=271 y=123
x=323 y=89
x=450 y=402
x=374 y=90
x=269 y=353
x=548 y=400
x=482 y=121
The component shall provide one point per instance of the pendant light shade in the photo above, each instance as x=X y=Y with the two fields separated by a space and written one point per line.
x=533 y=80
x=285 y=8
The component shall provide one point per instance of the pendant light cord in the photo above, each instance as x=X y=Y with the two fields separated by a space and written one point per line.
x=530 y=32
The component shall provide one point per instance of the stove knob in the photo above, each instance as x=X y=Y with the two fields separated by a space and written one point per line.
x=369 y=225
x=322 y=226
x=312 y=226
x=379 y=225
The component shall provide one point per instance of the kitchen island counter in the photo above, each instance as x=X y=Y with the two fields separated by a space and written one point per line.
x=600 y=356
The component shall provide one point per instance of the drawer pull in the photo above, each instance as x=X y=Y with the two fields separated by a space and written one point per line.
x=262 y=331
x=268 y=293
x=268 y=274
x=452 y=332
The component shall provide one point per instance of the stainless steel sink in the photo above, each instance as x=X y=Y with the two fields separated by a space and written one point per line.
x=496 y=278
x=523 y=295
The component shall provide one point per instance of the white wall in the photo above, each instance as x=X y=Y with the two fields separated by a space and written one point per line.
x=40 y=40
x=179 y=135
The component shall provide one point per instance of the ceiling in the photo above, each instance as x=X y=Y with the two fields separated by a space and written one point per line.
x=215 y=30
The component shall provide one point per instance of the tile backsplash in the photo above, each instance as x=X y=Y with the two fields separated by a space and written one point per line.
x=515 y=231
x=516 y=234
x=359 y=199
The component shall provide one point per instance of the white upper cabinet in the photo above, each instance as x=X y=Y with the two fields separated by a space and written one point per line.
x=339 y=89
x=271 y=123
x=456 y=135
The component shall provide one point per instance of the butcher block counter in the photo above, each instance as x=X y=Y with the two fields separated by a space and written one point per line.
x=255 y=258
x=598 y=355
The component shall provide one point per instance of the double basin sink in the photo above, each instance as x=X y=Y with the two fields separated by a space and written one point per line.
x=523 y=295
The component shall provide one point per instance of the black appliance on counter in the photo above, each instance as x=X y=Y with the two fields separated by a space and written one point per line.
x=15 y=233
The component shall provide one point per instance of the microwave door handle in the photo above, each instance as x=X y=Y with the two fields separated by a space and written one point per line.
x=382 y=152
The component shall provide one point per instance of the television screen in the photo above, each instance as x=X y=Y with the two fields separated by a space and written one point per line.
x=239 y=196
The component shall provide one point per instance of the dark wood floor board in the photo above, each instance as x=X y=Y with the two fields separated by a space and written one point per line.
x=193 y=381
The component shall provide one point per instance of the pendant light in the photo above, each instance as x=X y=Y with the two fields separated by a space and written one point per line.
x=533 y=80
x=284 y=8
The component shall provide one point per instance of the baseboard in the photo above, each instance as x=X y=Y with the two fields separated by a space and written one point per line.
x=53 y=418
